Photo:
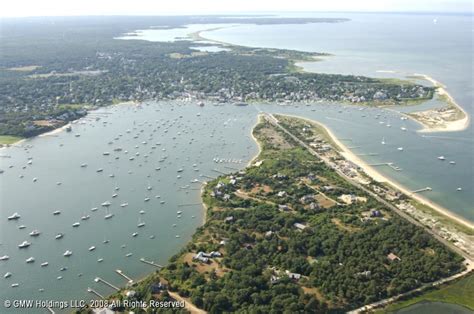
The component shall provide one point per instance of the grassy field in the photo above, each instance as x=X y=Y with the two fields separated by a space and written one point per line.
x=460 y=292
x=7 y=139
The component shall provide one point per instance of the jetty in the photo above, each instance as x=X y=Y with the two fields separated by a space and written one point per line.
x=90 y=290
x=190 y=204
x=98 y=279
x=121 y=273
x=422 y=190
x=218 y=171
x=150 y=263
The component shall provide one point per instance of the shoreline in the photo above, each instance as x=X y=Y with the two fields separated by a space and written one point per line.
x=377 y=176
x=62 y=128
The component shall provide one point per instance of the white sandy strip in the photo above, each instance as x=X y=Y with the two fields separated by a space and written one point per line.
x=450 y=126
x=374 y=174
x=256 y=141
x=377 y=176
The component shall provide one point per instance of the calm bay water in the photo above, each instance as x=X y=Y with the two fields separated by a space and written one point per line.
x=188 y=137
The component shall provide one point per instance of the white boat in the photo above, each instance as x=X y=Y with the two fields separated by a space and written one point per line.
x=59 y=277
x=99 y=170
x=400 y=148
x=441 y=158
x=83 y=165
x=59 y=236
x=14 y=216
x=85 y=217
x=94 y=209
x=100 y=260
x=403 y=128
x=142 y=212
x=30 y=260
x=67 y=253
x=146 y=199
x=4 y=258
x=57 y=212
x=108 y=216
x=383 y=140
x=179 y=212
x=92 y=248
x=124 y=205
x=106 y=153
x=7 y=275
x=114 y=195
x=35 y=233
x=76 y=224
x=128 y=254
x=134 y=234
x=452 y=162
x=24 y=244
x=459 y=189
x=44 y=264
x=15 y=285
x=140 y=224
x=106 y=204
x=35 y=179
x=21 y=227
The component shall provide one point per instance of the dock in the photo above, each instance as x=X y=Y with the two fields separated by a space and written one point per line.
x=209 y=177
x=51 y=310
x=422 y=190
x=90 y=290
x=231 y=168
x=150 y=263
x=218 y=171
x=98 y=279
x=121 y=273
x=389 y=164
x=191 y=204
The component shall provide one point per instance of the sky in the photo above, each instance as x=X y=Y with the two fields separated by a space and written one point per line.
x=13 y=8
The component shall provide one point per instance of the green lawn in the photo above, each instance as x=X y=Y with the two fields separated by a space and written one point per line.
x=7 y=139
x=461 y=292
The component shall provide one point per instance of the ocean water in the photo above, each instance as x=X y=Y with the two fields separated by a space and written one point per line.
x=186 y=136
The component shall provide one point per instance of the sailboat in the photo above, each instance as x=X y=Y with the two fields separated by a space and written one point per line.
x=383 y=140
x=140 y=223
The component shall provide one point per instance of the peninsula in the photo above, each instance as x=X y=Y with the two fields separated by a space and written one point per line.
x=299 y=229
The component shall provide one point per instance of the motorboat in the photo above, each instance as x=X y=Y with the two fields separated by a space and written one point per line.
x=14 y=216
x=24 y=245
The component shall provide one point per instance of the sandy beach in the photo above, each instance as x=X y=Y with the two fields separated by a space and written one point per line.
x=450 y=126
x=377 y=176
x=256 y=142
x=374 y=174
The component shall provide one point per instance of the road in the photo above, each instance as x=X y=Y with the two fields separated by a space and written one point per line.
x=468 y=257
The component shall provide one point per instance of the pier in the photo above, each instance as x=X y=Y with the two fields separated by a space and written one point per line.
x=121 y=273
x=90 y=290
x=51 y=310
x=191 y=204
x=209 y=177
x=231 y=168
x=150 y=263
x=218 y=171
x=368 y=154
x=389 y=164
x=98 y=279
x=422 y=190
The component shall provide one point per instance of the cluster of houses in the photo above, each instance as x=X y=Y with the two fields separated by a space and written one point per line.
x=351 y=199
x=387 y=193
x=277 y=275
x=205 y=257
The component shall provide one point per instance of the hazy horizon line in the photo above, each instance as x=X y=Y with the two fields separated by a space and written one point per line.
x=246 y=13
